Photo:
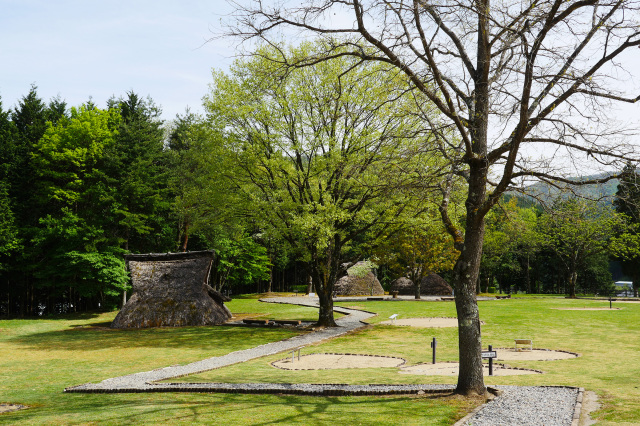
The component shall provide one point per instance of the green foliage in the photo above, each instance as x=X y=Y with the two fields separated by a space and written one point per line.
x=626 y=245
x=239 y=262
x=511 y=243
x=204 y=199
x=137 y=165
x=319 y=152
x=421 y=247
x=576 y=231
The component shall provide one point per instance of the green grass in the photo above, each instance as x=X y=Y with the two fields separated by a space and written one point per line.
x=39 y=358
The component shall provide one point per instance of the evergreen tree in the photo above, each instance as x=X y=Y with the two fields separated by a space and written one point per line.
x=78 y=257
x=627 y=202
x=137 y=169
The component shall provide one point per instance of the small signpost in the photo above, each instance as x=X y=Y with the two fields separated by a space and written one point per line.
x=433 y=345
x=490 y=354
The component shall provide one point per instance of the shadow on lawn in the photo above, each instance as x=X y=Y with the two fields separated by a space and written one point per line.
x=174 y=408
x=90 y=338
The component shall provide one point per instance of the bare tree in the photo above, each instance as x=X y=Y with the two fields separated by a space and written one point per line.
x=523 y=85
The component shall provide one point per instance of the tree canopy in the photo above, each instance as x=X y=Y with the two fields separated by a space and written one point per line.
x=320 y=152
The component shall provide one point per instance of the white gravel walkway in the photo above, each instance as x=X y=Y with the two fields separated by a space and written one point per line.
x=140 y=382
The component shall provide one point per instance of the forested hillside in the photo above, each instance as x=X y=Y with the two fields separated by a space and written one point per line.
x=81 y=186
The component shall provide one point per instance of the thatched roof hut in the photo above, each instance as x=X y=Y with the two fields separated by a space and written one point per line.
x=171 y=289
x=435 y=285
x=403 y=286
x=359 y=282
x=431 y=285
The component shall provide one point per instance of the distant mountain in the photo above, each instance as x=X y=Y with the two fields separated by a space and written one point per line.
x=544 y=192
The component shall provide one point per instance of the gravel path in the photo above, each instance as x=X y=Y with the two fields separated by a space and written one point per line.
x=139 y=382
x=528 y=406
x=518 y=405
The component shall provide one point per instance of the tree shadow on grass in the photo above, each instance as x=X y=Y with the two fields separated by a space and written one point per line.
x=172 y=408
x=218 y=338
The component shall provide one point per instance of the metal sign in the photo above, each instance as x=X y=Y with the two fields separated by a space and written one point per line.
x=489 y=354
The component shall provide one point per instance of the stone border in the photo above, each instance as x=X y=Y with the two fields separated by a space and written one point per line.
x=283 y=388
x=544 y=349
x=493 y=393
x=577 y=411
x=404 y=361
x=410 y=318
x=505 y=366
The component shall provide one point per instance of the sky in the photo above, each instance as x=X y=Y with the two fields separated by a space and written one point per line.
x=81 y=49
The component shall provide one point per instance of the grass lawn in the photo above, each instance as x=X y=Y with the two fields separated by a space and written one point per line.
x=39 y=358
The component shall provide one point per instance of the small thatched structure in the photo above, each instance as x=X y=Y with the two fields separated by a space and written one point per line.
x=359 y=282
x=435 y=285
x=403 y=286
x=431 y=285
x=171 y=289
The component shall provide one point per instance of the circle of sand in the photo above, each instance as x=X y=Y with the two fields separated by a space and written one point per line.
x=337 y=361
x=433 y=322
x=451 y=369
x=510 y=354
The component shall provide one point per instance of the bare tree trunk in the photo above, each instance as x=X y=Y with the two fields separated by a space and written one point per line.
x=528 y=279
x=185 y=241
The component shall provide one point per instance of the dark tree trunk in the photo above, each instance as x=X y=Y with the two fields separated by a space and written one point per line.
x=325 y=315
x=470 y=379
x=466 y=269
x=185 y=241
x=324 y=270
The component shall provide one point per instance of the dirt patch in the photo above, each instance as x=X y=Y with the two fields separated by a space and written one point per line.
x=241 y=316
x=510 y=354
x=589 y=404
x=435 y=322
x=337 y=361
x=6 y=408
x=587 y=309
x=451 y=369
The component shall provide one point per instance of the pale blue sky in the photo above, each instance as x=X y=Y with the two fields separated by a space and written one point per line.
x=100 y=48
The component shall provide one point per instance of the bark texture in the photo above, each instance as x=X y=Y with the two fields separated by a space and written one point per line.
x=171 y=290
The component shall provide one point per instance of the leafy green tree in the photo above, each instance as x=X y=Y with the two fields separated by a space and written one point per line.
x=19 y=139
x=8 y=231
x=239 y=262
x=511 y=241
x=422 y=247
x=204 y=197
x=137 y=167
x=318 y=152
x=627 y=203
x=577 y=230
x=78 y=252
x=503 y=75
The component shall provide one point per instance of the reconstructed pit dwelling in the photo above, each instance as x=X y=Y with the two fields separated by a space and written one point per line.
x=171 y=290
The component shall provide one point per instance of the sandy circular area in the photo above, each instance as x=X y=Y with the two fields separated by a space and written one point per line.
x=425 y=322
x=510 y=354
x=336 y=361
x=451 y=369
x=587 y=309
